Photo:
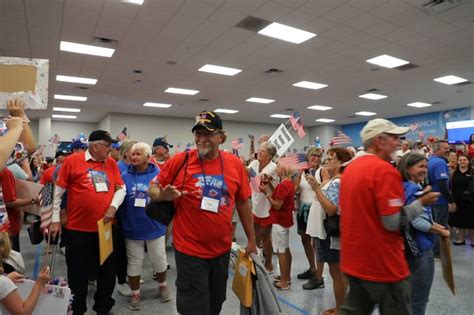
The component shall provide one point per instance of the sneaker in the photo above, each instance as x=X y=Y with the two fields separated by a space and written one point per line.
x=164 y=294
x=134 y=304
x=124 y=289
x=277 y=279
x=308 y=274
x=314 y=283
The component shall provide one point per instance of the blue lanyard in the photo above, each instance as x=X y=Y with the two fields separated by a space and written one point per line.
x=222 y=170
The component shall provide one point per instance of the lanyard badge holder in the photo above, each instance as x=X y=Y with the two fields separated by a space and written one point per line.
x=211 y=196
x=99 y=178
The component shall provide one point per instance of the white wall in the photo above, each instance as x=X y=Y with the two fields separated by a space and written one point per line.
x=68 y=130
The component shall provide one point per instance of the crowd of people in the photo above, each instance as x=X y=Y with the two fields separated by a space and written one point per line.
x=375 y=215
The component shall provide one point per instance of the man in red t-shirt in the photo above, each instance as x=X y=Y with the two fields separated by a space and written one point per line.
x=95 y=190
x=207 y=185
x=371 y=200
x=12 y=203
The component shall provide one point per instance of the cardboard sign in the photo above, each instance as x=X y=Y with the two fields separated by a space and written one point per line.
x=447 y=263
x=28 y=190
x=25 y=78
x=53 y=299
x=282 y=140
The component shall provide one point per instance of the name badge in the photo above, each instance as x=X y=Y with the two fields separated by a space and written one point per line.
x=100 y=181
x=211 y=198
x=140 y=199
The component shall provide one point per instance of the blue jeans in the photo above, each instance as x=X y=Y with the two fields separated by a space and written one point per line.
x=422 y=272
x=440 y=216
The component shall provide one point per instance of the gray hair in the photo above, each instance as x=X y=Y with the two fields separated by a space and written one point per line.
x=270 y=148
x=437 y=144
x=142 y=146
x=407 y=161
x=126 y=145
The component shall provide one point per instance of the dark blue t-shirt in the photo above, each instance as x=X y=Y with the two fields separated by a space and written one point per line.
x=438 y=170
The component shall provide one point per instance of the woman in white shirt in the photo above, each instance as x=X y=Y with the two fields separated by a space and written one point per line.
x=262 y=170
x=306 y=198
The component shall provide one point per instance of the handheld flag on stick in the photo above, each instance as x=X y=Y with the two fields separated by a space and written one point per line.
x=254 y=180
x=297 y=161
x=237 y=143
x=297 y=124
x=340 y=138
x=123 y=134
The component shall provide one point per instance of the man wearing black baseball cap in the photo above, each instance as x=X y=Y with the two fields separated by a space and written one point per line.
x=208 y=183
x=95 y=190
x=161 y=151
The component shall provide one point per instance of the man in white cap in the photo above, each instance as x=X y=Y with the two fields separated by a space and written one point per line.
x=371 y=201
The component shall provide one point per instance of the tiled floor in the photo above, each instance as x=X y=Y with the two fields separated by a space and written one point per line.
x=296 y=300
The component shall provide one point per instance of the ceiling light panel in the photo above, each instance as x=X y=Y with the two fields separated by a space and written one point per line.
x=325 y=120
x=286 y=33
x=310 y=85
x=419 y=104
x=65 y=78
x=181 y=91
x=373 y=96
x=219 y=70
x=157 y=105
x=67 y=109
x=260 y=100
x=387 y=61
x=64 y=116
x=137 y=2
x=364 y=113
x=450 y=80
x=86 y=49
x=226 y=111
x=279 y=116
x=70 y=98
x=319 y=107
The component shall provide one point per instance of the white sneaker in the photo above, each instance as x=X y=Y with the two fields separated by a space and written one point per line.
x=124 y=290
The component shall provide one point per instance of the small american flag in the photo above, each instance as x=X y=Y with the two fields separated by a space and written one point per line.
x=46 y=204
x=413 y=126
x=297 y=161
x=237 y=143
x=254 y=180
x=123 y=134
x=341 y=138
x=295 y=120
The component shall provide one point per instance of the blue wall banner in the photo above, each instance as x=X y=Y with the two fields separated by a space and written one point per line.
x=429 y=124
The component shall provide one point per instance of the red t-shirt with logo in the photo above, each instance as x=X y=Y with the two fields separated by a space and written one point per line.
x=85 y=206
x=198 y=232
x=284 y=216
x=9 y=195
x=371 y=188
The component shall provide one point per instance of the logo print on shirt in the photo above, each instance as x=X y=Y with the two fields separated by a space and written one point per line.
x=215 y=181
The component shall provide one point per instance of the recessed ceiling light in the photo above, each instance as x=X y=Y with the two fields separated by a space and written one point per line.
x=286 y=33
x=325 y=120
x=219 y=70
x=226 y=111
x=450 y=79
x=66 y=109
x=158 y=105
x=280 y=116
x=86 y=49
x=65 y=78
x=181 y=91
x=70 y=98
x=419 y=104
x=310 y=85
x=387 y=61
x=319 y=107
x=364 y=113
x=260 y=100
x=138 y=2
x=65 y=116
x=373 y=96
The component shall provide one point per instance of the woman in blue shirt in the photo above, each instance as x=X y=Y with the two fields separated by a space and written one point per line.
x=419 y=233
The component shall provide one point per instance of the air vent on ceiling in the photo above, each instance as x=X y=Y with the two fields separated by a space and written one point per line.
x=290 y=109
x=352 y=116
x=82 y=88
x=463 y=83
x=407 y=67
x=253 y=24
x=273 y=71
x=435 y=6
x=104 y=41
x=373 y=90
x=374 y=69
x=203 y=100
x=436 y=103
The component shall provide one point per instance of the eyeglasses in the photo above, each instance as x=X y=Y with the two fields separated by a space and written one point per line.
x=200 y=134
x=316 y=155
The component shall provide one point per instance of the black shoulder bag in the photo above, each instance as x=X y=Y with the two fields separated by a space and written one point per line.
x=331 y=225
x=163 y=211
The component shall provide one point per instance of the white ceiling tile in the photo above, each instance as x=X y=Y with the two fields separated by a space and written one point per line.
x=342 y=13
x=208 y=32
x=381 y=28
x=297 y=18
x=179 y=27
x=196 y=9
x=391 y=8
x=290 y=3
x=271 y=11
x=319 y=26
x=226 y=16
x=120 y=10
x=366 y=4
x=12 y=11
x=362 y=21
x=245 y=6
x=338 y=33
x=78 y=25
x=320 y=8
